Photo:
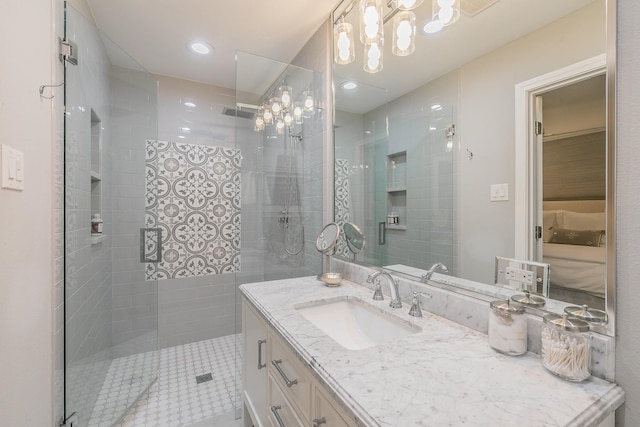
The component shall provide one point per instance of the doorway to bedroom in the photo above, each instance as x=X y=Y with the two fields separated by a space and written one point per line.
x=564 y=147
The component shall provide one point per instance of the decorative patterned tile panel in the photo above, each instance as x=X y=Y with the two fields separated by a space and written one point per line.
x=193 y=196
x=343 y=203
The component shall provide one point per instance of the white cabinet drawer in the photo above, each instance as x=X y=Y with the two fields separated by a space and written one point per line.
x=291 y=376
x=324 y=414
x=280 y=412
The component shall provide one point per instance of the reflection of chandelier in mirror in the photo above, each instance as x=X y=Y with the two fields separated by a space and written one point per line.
x=371 y=23
x=281 y=111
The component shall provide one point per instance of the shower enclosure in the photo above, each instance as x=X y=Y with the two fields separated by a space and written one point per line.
x=160 y=230
x=111 y=302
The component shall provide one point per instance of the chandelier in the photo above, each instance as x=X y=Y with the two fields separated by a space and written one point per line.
x=371 y=21
x=280 y=111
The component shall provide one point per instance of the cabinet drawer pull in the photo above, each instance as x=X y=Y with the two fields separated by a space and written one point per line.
x=287 y=381
x=318 y=421
x=275 y=409
x=260 y=364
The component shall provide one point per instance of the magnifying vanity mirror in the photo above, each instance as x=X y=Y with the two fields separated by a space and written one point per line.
x=491 y=138
x=354 y=237
x=326 y=242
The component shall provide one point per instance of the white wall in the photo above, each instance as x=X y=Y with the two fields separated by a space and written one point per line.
x=26 y=218
x=628 y=204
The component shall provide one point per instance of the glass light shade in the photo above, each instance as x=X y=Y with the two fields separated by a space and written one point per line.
x=297 y=112
x=308 y=101
x=267 y=115
x=276 y=107
x=288 y=119
x=371 y=16
x=258 y=124
x=446 y=11
x=408 y=4
x=280 y=127
x=373 y=57
x=285 y=96
x=344 y=49
x=404 y=33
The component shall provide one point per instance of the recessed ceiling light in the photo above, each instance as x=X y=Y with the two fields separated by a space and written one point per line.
x=185 y=129
x=348 y=85
x=190 y=104
x=181 y=136
x=200 y=47
x=432 y=27
x=436 y=107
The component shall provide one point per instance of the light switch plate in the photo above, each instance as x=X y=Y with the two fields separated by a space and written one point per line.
x=499 y=192
x=12 y=168
x=523 y=275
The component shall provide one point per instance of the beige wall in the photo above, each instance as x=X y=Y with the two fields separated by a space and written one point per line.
x=26 y=218
x=486 y=229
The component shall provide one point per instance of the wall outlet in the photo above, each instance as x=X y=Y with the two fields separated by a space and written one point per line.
x=521 y=276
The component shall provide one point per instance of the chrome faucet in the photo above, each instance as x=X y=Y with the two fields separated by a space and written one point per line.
x=434 y=267
x=393 y=285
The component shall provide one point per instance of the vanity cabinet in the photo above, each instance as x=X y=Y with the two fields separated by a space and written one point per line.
x=284 y=392
x=254 y=366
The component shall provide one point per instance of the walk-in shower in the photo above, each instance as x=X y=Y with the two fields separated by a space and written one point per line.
x=151 y=319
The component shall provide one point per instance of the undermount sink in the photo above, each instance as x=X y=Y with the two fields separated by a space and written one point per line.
x=355 y=324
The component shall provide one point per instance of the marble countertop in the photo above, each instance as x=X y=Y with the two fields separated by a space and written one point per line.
x=447 y=374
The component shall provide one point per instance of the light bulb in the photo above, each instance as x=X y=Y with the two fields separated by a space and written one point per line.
x=371 y=20
x=404 y=29
x=446 y=11
x=373 y=58
x=343 y=34
x=445 y=15
x=275 y=107
x=403 y=43
x=280 y=126
x=285 y=96
x=288 y=119
x=267 y=116
x=374 y=51
x=408 y=4
x=343 y=41
x=297 y=112
x=259 y=121
x=308 y=102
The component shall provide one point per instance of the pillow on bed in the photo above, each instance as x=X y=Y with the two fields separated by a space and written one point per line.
x=549 y=222
x=566 y=236
x=583 y=220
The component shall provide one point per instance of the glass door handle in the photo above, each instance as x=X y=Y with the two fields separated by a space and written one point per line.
x=151 y=245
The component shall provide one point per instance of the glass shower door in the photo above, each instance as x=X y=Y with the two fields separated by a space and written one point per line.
x=110 y=292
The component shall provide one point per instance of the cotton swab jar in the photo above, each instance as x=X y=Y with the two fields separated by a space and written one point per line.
x=566 y=347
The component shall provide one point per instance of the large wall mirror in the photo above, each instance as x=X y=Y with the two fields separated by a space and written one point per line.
x=482 y=133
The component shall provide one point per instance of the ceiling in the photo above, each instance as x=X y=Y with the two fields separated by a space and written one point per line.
x=155 y=32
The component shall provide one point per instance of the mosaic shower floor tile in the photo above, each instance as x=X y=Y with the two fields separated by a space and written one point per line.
x=176 y=399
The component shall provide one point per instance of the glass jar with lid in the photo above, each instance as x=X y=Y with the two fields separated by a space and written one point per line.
x=566 y=347
x=507 y=328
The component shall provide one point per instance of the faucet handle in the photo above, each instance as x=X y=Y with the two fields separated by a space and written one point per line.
x=377 y=294
x=415 y=310
x=370 y=277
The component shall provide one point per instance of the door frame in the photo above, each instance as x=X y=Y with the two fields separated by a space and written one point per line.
x=526 y=191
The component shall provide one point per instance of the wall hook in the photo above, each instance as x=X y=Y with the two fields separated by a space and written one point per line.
x=469 y=154
x=43 y=87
